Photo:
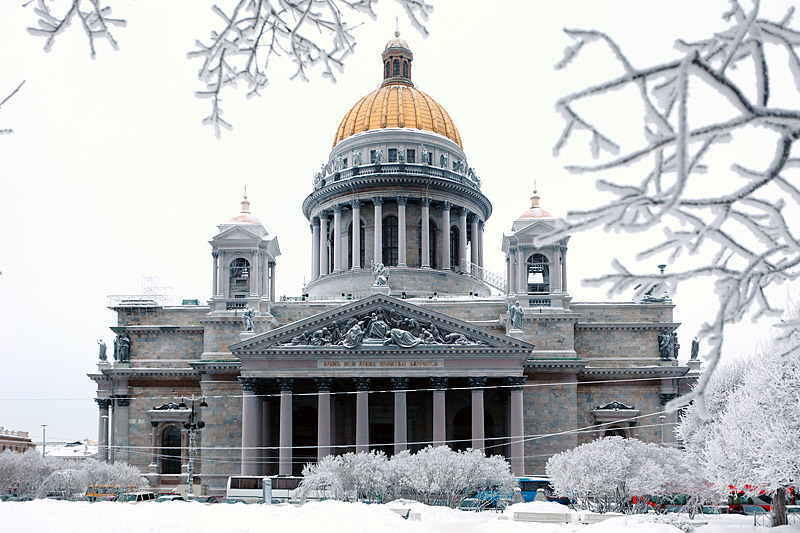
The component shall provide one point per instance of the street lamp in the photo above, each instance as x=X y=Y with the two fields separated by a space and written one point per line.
x=192 y=427
x=43 y=441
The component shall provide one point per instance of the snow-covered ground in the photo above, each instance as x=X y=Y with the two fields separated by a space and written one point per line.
x=328 y=517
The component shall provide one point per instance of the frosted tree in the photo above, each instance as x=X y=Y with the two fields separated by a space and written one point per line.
x=739 y=226
x=251 y=33
x=754 y=444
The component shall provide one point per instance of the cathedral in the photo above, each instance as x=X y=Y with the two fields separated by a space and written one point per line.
x=400 y=340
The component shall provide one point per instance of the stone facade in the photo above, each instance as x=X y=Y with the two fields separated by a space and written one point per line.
x=442 y=353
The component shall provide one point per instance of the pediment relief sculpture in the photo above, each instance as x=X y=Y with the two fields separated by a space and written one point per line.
x=377 y=328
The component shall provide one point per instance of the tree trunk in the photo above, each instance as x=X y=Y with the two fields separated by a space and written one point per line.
x=779 y=507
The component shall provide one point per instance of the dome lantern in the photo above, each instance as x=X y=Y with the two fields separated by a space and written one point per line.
x=397 y=59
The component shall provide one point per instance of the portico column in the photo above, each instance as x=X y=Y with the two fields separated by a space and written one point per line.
x=337 y=238
x=254 y=278
x=475 y=238
x=556 y=272
x=154 y=447
x=323 y=417
x=439 y=386
x=215 y=256
x=446 y=235
x=480 y=243
x=122 y=423
x=356 y=252
x=400 y=386
x=266 y=435
x=220 y=273
x=402 y=245
x=272 y=281
x=462 y=241
x=362 y=414
x=378 y=238
x=478 y=433
x=522 y=271
x=315 y=248
x=425 y=260
x=286 y=386
x=251 y=427
x=102 y=427
x=517 y=451
x=509 y=277
x=323 y=243
x=564 y=269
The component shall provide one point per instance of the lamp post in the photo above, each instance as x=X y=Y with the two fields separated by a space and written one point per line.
x=192 y=427
x=43 y=441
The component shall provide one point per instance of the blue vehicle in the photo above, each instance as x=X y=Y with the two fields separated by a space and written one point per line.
x=530 y=485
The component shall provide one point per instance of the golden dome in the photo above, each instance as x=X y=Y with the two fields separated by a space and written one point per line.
x=245 y=217
x=397 y=105
x=535 y=211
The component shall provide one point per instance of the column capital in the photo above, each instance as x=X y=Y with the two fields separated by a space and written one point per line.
x=480 y=224
x=315 y=221
x=249 y=384
x=665 y=397
x=362 y=384
x=516 y=382
x=337 y=208
x=447 y=206
x=438 y=383
x=154 y=423
x=285 y=384
x=463 y=212
x=377 y=200
x=472 y=217
x=214 y=254
x=512 y=250
x=103 y=403
x=400 y=383
x=323 y=213
x=402 y=200
x=562 y=249
x=477 y=382
x=426 y=202
x=324 y=384
x=123 y=400
x=355 y=204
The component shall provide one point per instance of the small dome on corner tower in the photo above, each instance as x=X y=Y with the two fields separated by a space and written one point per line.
x=245 y=216
x=535 y=210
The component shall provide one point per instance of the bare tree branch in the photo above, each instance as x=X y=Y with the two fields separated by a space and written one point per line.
x=7 y=131
x=743 y=226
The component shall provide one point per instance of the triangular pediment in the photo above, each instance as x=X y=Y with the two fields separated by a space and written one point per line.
x=535 y=227
x=236 y=233
x=380 y=323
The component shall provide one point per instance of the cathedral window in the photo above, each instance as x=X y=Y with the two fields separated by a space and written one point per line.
x=171 y=450
x=395 y=68
x=411 y=155
x=538 y=274
x=373 y=156
x=390 y=241
x=386 y=73
x=405 y=69
x=392 y=155
x=455 y=248
x=239 y=278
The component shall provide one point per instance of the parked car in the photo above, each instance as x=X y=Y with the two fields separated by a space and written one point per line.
x=170 y=498
x=232 y=500
x=204 y=499
x=137 y=497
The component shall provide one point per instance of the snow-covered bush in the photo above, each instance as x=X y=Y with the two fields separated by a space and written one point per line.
x=610 y=473
x=438 y=475
x=29 y=472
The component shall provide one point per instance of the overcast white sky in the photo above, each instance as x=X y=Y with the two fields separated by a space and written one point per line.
x=110 y=176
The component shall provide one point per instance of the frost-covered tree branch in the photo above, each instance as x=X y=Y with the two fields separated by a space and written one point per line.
x=6 y=131
x=742 y=221
x=95 y=20
x=309 y=33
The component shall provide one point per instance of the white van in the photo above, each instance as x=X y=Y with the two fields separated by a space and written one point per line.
x=137 y=497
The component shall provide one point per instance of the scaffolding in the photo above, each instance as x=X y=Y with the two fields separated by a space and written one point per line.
x=152 y=295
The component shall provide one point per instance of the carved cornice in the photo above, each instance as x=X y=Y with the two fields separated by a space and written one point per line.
x=615 y=406
x=626 y=325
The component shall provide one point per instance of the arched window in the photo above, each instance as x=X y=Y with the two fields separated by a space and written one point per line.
x=362 y=248
x=387 y=70
x=171 y=450
x=538 y=274
x=405 y=69
x=455 y=248
x=390 y=241
x=239 y=278
x=431 y=244
x=395 y=68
